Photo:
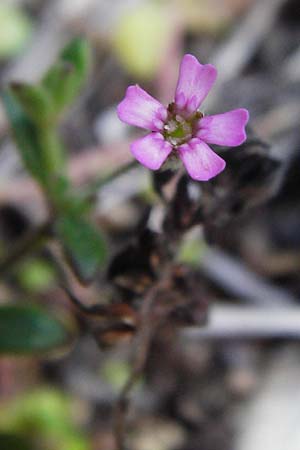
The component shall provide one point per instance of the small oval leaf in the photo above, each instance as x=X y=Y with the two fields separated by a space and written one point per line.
x=26 y=136
x=29 y=329
x=65 y=78
x=83 y=245
x=35 y=100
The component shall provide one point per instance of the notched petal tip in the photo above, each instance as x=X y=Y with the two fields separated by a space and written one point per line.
x=123 y=106
x=190 y=61
x=151 y=150
x=140 y=109
x=194 y=82
x=200 y=161
x=244 y=119
x=224 y=129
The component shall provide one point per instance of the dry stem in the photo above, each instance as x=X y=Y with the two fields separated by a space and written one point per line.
x=144 y=337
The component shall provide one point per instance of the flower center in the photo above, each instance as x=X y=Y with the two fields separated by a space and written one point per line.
x=177 y=129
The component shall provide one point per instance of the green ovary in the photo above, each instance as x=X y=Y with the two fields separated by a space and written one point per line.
x=178 y=133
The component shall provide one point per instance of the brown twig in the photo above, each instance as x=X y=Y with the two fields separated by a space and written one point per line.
x=144 y=337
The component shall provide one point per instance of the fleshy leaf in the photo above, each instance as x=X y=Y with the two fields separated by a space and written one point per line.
x=65 y=78
x=28 y=329
x=35 y=101
x=26 y=135
x=83 y=245
x=39 y=147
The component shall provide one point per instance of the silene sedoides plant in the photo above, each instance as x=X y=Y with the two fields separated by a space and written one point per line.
x=181 y=130
x=146 y=268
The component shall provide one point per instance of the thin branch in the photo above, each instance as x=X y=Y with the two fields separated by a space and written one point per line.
x=145 y=334
x=97 y=309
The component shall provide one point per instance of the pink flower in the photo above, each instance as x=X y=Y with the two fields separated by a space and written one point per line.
x=180 y=129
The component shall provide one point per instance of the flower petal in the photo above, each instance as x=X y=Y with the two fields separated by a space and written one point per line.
x=140 y=109
x=151 y=150
x=200 y=161
x=194 y=83
x=224 y=129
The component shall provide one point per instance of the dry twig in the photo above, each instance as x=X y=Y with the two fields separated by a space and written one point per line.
x=147 y=329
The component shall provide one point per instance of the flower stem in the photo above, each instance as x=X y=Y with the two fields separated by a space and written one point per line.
x=144 y=338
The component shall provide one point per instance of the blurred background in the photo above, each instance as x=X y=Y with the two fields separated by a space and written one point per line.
x=234 y=384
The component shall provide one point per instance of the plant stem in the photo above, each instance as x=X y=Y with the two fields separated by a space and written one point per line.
x=145 y=334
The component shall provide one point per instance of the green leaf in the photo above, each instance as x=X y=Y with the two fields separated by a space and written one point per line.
x=26 y=136
x=33 y=110
x=83 y=245
x=78 y=53
x=39 y=147
x=65 y=198
x=65 y=78
x=28 y=329
x=35 y=101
